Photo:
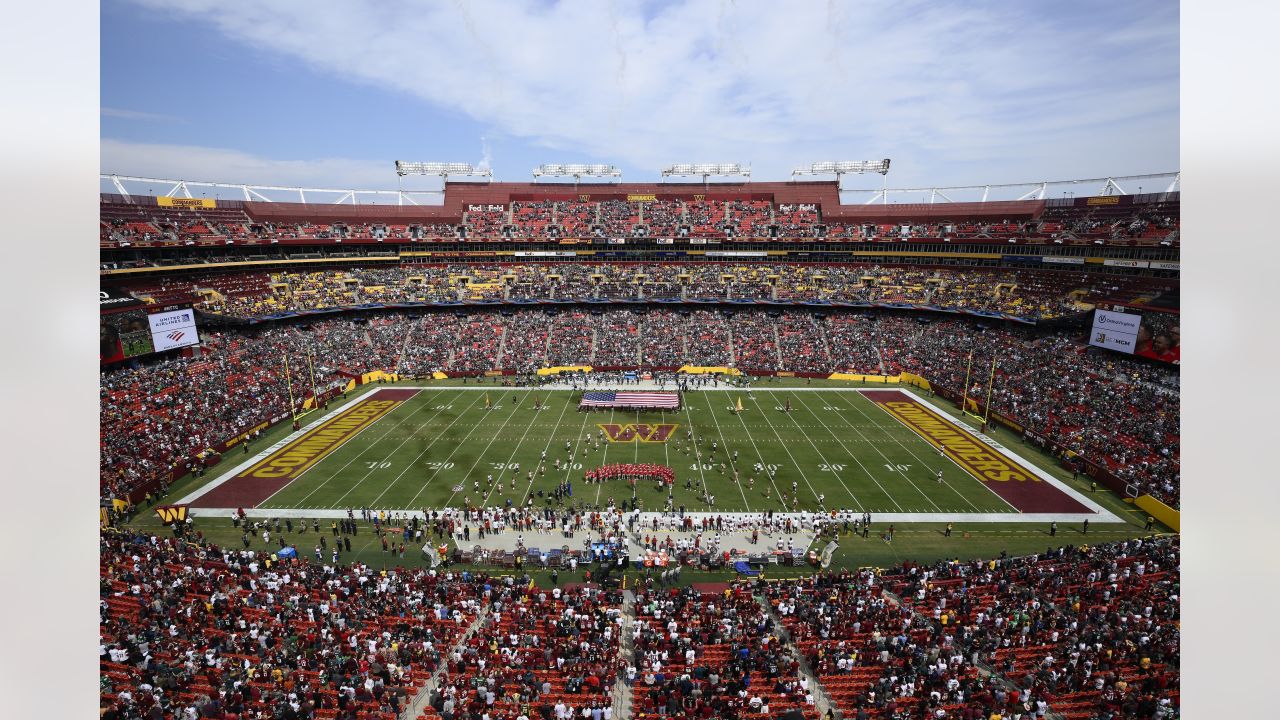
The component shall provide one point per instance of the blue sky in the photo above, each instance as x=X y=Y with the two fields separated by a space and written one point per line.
x=330 y=94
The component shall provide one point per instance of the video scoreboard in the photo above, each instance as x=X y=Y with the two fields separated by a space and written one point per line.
x=131 y=329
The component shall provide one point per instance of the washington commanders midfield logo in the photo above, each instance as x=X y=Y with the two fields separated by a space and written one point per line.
x=637 y=432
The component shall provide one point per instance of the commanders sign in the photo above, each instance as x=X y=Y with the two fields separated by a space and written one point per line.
x=170 y=514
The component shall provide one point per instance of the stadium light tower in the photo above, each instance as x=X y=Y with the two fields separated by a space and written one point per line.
x=444 y=170
x=840 y=168
x=706 y=170
x=575 y=170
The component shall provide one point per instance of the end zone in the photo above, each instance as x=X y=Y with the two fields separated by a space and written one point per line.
x=252 y=482
x=1024 y=486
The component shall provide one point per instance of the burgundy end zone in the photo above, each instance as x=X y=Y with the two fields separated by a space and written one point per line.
x=245 y=491
x=1034 y=496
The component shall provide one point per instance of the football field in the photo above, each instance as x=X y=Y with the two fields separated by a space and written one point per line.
x=878 y=451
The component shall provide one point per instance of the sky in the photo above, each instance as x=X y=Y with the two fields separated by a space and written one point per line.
x=330 y=94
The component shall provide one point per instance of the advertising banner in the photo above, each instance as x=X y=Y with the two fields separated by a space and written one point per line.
x=173 y=329
x=187 y=203
x=1115 y=331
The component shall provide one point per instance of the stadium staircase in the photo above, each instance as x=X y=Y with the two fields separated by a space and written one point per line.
x=404 y=347
x=423 y=698
x=777 y=345
x=822 y=702
x=641 y=328
x=823 y=341
x=621 y=690
x=728 y=331
x=591 y=356
x=502 y=346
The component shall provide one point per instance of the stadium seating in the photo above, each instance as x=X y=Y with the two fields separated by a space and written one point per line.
x=191 y=629
x=1150 y=224
x=1023 y=293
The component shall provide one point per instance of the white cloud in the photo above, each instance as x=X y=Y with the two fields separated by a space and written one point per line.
x=953 y=93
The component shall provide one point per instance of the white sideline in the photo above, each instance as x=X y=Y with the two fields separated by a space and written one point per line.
x=876 y=518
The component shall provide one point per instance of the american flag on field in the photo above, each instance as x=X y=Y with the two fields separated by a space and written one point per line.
x=611 y=399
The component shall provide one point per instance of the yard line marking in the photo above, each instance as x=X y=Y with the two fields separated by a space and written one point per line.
x=604 y=459
x=666 y=452
x=515 y=476
x=760 y=456
x=823 y=458
x=426 y=483
x=568 y=466
x=475 y=462
x=414 y=462
x=733 y=465
x=893 y=499
x=876 y=447
x=803 y=476
x=367 y=475
x=926 y=465
x=547 y=446
x=419 y=456
x=697 y=453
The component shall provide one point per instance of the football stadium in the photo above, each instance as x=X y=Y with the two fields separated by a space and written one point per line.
x=705 y=444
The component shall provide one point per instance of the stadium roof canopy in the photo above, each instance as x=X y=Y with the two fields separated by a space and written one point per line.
x=1166 y=182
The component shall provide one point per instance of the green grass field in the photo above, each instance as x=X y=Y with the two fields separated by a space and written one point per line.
x=439 y=448
x=442 y=437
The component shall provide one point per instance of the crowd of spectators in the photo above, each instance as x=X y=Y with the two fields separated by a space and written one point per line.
x=1104 y=408
x=1085 y=632
x=1023 y=293
x=1145 y=224
x=159 y=416
x=541 y=653
x=716 y=655
x=190 y=630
